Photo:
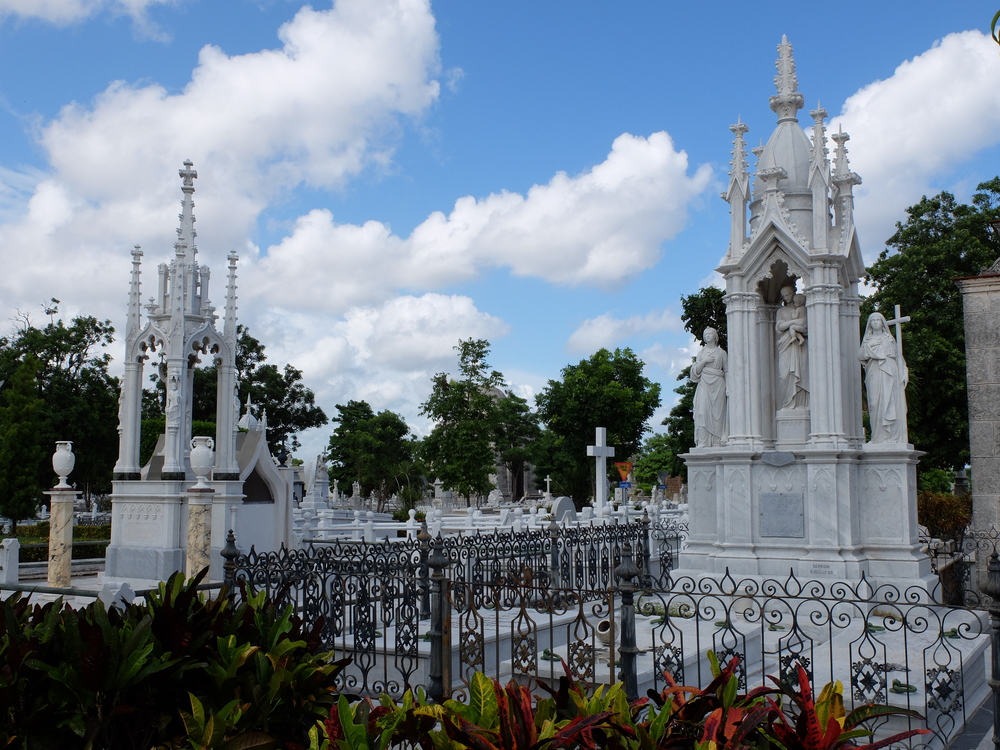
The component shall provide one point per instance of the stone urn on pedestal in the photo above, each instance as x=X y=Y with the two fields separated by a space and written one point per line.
x=202 y=460
x=61 y=497
x=63 y=462
x=199 y=538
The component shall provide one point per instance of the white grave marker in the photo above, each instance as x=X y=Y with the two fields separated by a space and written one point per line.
x=601 y=453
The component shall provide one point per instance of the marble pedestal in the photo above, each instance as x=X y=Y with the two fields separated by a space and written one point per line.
x=199 y=530
x=818 y=513
x=61 y=537
x=149 y=527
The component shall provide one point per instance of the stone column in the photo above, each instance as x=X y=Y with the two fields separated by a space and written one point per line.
x=199 y=530
x=742 y=377
x=981 y=302
x=823 y=307
x=61 y=537
x=226 y=467
x=129 y=420
x=850 y=342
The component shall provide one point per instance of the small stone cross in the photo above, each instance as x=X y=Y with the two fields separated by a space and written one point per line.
x=548 y=486
x=601 y=453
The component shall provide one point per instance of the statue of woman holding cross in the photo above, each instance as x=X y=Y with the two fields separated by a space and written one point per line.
x=886 y=376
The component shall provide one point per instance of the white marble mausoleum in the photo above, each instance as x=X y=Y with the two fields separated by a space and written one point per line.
x=783 y=477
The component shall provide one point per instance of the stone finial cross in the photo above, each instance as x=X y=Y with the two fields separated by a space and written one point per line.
x=601 y=453
x=187 y=174
x=548 y=486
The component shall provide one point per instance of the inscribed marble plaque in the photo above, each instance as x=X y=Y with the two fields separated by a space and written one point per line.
x=781 y=515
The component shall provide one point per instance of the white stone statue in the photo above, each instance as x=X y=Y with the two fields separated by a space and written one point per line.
x=886 y=376
x=711 y=426
x=791 y=327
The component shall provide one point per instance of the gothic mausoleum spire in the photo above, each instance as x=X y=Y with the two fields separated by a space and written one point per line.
x=739 y=189
x=186 y=232
x=788 y=101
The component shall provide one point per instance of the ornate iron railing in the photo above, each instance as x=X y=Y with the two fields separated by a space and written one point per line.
x=429 y=613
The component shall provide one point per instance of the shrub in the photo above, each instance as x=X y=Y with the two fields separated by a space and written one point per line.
x=946 y=516
x=178 y=670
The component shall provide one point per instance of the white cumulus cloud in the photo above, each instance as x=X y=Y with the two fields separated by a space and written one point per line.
x=317 y=110
x=601 y=227
x=907 y=132
x=64 y=12
x=606 y=331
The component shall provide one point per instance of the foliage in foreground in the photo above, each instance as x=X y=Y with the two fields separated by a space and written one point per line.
x=183 y=671
x=177 y=671
x=679 y=718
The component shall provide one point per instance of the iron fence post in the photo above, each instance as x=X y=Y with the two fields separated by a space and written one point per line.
x=626 y=573
x=229 y=553
x=644 y=525
x=424 y=539
x=440 y=663
x=992 y=589
x=554 y=577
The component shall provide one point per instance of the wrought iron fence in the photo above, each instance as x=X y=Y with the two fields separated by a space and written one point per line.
x=429 y=613
x=375 y=601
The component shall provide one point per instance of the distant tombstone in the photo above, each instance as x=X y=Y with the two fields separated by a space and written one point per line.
x=494 y=499
x=562 y=508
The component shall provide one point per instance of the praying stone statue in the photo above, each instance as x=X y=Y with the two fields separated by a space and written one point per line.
x=791 y=327
x=886 y=376
x=709 y=372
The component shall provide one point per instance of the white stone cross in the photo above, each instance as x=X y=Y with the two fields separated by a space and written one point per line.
x=601 y=453
x=898 y=323
x=548 y=486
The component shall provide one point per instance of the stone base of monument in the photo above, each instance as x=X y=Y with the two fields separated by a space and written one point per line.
x=149 y=529
x=821 y=512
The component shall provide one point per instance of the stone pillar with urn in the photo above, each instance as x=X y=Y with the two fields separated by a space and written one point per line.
x=62 y=497
x=199 y=506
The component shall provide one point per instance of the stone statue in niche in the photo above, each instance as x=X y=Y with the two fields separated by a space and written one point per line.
x=886 y=376
x=711 y=426
x=792 y=331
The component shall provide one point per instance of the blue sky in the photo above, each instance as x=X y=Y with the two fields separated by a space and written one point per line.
x=398 y=175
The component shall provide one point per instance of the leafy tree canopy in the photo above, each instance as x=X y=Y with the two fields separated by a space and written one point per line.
x=376 y=450
x=517 y=431
x=80 y=397
x=21 y=453
x=940 y=240
x=608 y=390
x=460 y=450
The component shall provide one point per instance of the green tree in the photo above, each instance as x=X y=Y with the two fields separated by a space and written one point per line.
x=80 y=396
x=517 y=431
x=703 y=309
x=460 y=450
x=655 y=455
x=22 y=456
x=940 y=240
x=608 y=390
x=374 y=449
